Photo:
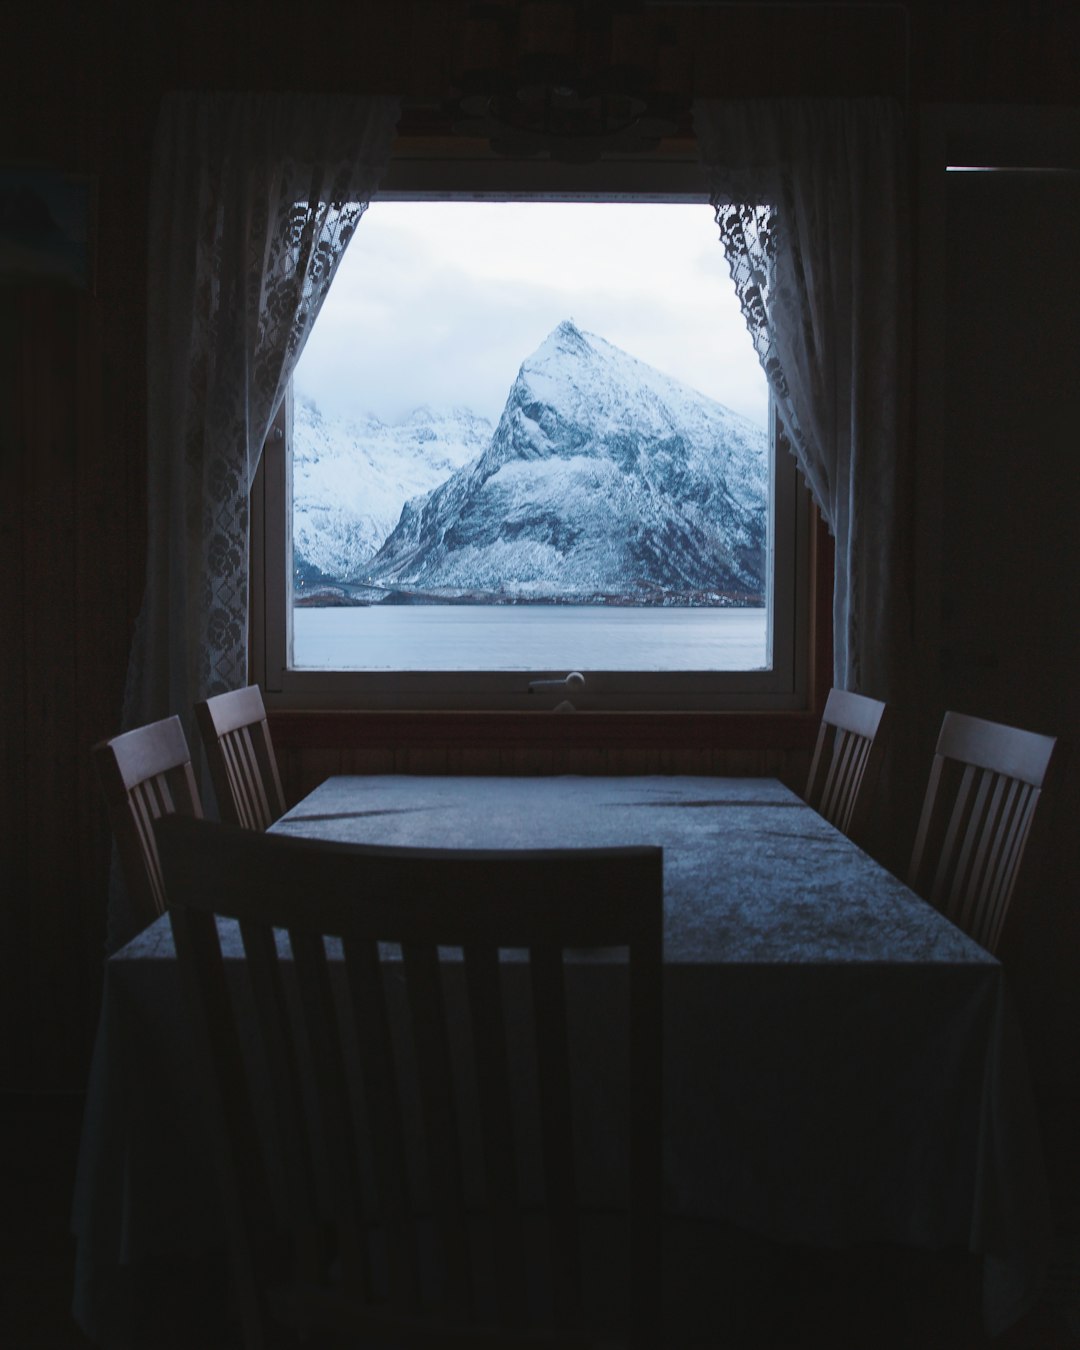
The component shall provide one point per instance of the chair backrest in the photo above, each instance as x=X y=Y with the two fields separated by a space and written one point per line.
x=365 y=1052
x=145 y=774
x=985 y=783
x=847 y=760
x=243 y=769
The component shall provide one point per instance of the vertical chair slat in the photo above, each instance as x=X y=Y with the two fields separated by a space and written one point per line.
x=862 y=766
x=992 y=903
x=1014 y=841
x=144 y=811
x=988 y=846
x=556 y=1124
x=441 y=1138
x=259 y=792
x=830 y=743
x=238 y=798
x=846 y=781
x=856 y=767
x=930 y=830
x=243 y=776
x=954 y=833
x=827 y=801
x=837 y=783
x=961 y=885
x=1014 y=836
x=241 y=1178
x=281 y=1054
x=156 y=794
x=248 y=778
x=384 y=1119
x=324 y=1053
x=232 y=750
x=992 y=894
x=1015 y=819
x=497 y=1128
x=646 y=1138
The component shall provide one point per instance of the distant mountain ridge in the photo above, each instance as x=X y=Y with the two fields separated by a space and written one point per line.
x=604 y=478
x=351 y=478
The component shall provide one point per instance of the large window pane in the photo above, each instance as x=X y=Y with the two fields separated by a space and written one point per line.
x=530 y=435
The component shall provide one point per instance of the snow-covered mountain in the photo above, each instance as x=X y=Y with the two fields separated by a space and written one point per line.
x=604 y=477
x=351 y=479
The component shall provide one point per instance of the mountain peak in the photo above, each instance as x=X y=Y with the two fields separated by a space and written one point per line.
x=604 y=477
x=584 y=379
x=566 y=337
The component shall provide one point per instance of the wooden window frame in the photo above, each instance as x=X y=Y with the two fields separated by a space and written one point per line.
x=734 y=723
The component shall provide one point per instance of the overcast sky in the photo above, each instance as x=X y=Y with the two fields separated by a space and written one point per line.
x=440 y=302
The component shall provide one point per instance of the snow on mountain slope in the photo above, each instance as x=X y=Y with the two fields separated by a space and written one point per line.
x=604 y=476
x=351 y=479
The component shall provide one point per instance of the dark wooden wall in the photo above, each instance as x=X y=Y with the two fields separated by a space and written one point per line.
x=311 y=746
x=83 y=82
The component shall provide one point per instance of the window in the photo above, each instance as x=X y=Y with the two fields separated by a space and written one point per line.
x=529 y=436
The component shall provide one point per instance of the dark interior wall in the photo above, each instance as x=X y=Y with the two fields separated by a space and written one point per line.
x=83 y=84
x=72 y=506
x=1011 y=478
x=999 y=505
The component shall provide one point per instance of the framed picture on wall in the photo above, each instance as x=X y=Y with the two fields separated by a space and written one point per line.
x=46 y=227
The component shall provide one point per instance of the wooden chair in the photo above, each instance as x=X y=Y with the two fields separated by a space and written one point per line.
x=354 y=1074
x=145 y=774
x=984 y=786
x=847 y=760
x=243 y=769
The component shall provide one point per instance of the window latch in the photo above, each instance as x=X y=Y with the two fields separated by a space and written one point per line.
x=575 y=680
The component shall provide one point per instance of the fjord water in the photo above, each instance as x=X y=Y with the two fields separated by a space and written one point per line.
x=528 y=637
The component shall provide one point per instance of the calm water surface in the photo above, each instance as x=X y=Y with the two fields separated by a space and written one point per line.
x=528 y=637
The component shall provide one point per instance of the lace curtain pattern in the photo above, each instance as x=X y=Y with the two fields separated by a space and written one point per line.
x=253 y=200
x=810 y=200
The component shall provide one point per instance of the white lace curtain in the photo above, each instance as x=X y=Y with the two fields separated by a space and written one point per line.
x=811 y=202
x=253 y=200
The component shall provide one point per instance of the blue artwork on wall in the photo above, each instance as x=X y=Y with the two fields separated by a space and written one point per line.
x=45 y=227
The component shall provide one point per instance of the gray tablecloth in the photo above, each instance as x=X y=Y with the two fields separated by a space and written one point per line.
x=841 y=1064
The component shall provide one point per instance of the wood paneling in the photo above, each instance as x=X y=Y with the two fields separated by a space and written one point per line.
x=72 y=532
x=61 y=689
x=311 y=746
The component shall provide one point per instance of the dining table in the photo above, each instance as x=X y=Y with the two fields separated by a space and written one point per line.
x=842 y=1065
